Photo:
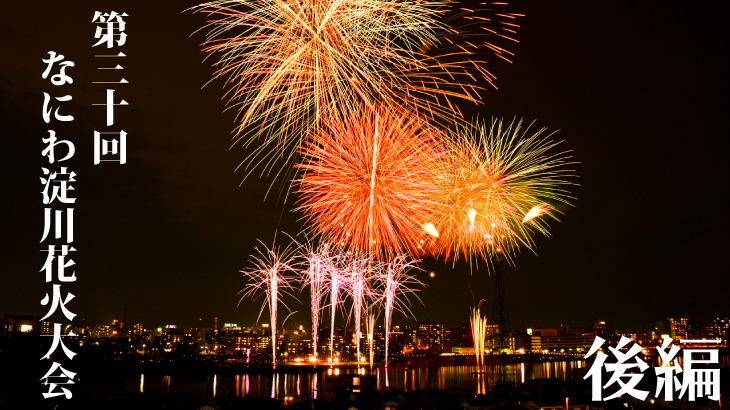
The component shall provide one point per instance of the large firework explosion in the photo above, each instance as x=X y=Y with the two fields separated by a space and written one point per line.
x=368 y=182
x=271 y=276
x=289 y=63
x=498 y=179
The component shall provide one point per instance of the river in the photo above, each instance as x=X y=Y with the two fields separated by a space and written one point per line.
x=300 y=386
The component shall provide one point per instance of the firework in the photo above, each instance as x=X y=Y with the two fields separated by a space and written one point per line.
x=337 y=283
x=360 y=293
x=395 y=285
x=289 y=63
x=370 y=328
x=536 y=211
x=492 y=182
x=317 y=263
x=270 y=277
x=478 y=332
x=368 y=182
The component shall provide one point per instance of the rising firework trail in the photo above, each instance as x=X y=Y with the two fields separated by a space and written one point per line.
x=478 y=332
x=271 y=276
x=287 y=64
x=317 y=262
x=497 y=180
x=358 y=290
x=370 y=329
x=336 y=283
x=395 y=284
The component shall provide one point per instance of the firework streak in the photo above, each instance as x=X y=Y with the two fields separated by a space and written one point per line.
x=288 y=64
x=271 y=277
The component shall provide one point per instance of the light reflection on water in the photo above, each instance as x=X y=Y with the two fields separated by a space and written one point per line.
x=300 y=386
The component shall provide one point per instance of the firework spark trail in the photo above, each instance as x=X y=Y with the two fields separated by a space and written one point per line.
x=478 y=332
x=358 y=291
x=396 y=284
x=337 y=283
x=269 y=277
x=371 y=198
x=371 y=331
x=490 y=182
x=535 y=212
x=316 y=262
x=289 y=63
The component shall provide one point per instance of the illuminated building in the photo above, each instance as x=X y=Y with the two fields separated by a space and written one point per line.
x=715 y=328
x=239 y=341
x=641 y=336
x=430 y=335
x=538 y=331
x=215 y=340
x=100 y=332
x=264 y=343
x=19 y=323
x=676 y=328
x=602 y=328
x=115 y=328
x=564 y=344
x=344 y=343
x=297 y=343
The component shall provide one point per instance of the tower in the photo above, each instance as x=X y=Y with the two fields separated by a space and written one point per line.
x=501 y=374
x=500 y=315
x=124 y=320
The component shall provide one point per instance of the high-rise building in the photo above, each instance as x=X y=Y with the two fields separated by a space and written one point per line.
x=715 y=328
x=298 y=343
x=602 y=328
x=430 y=335
x=676 y=328
x=240 y=341
x=641 y=335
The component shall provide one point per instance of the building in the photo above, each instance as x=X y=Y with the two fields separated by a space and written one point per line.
x=470 y=350
x=137 y=331
x=676 y=328
x=20 y=323
x=538 y=331
x=715 y=328
x=430 y=335
x=298 y=344
x=240 y=341
x=564 y=344
x=602 y=328
x=343 y=344
x=641 y=335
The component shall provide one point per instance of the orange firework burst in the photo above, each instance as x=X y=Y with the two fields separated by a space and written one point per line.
x=495 y=187
x=289 y=63
x=368 y=182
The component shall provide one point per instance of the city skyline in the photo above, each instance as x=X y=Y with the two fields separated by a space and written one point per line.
x=682 y=326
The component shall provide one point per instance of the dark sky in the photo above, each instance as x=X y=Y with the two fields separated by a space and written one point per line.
x=638 y=90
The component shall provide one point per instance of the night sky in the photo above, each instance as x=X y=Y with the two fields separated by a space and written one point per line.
x=638 y=91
